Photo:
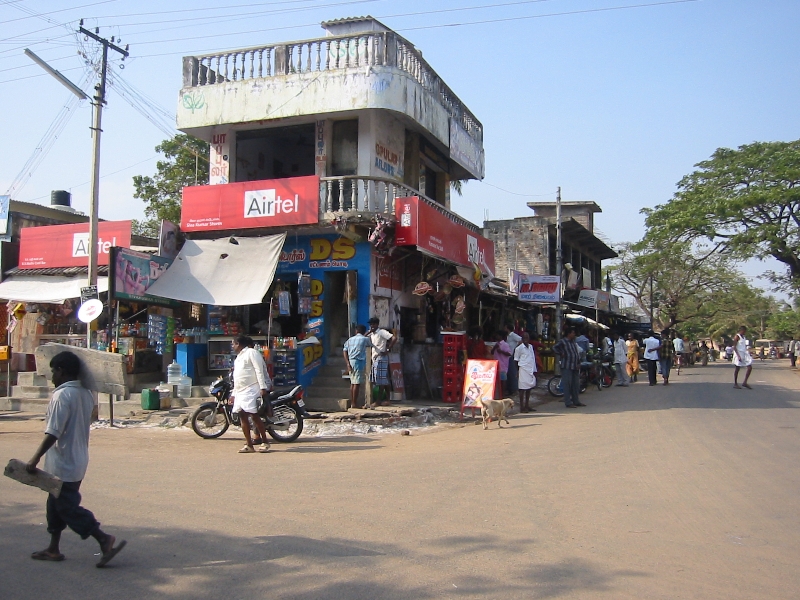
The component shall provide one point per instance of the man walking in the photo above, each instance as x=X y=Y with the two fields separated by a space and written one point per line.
x=526 y=359
x=65 y=448
x=651 y=346
x=569 y=355
x=667 y=352
x=621 y=359
x=382 y=342
x=794 y=350
x=355 y=357
x=513 y=340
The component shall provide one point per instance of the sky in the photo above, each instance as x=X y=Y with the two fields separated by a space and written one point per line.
x=612 y=100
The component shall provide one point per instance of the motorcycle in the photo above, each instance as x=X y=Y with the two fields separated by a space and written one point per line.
x=212 y=419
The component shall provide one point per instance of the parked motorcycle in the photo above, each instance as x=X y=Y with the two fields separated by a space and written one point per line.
x=212 y=419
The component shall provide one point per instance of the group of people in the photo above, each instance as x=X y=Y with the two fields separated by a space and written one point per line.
x=355 y=348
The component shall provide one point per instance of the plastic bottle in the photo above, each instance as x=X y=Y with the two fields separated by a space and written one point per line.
x=174 y=373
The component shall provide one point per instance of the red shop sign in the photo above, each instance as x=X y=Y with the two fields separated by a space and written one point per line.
x=251 y=204
x=68 y=245
x=421 y=225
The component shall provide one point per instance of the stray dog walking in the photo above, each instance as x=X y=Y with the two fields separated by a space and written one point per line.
x=495 y=409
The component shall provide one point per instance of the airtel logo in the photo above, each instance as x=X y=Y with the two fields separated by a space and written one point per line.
x=265 y=203
x=474 y=253
x=80 y=245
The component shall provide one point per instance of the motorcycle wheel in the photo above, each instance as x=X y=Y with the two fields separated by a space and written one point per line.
x=288 y=424
x=209 y=422
x=554 y=386
x=606 y=379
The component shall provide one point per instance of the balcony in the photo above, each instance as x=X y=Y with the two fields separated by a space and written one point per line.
x=370 y=70
x=364 y=197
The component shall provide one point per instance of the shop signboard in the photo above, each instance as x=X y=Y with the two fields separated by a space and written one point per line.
x=603 y=300
x=68 y=245
x=588 y=298
x=613 y=304
x=132 y=273
x=251 y=204
x=480 y=378
x=434 y=232
x=539 y=288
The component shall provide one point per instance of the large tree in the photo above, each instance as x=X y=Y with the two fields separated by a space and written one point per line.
x=185 y=163
x=744 y=202
x=677 y=283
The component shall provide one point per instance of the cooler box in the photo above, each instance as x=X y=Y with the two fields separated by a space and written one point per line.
x=151 y=400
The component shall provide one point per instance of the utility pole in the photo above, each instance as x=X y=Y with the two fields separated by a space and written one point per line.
x=559 y=261
x=99 y=100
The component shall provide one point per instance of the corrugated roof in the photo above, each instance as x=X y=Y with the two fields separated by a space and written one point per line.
x=63 y=271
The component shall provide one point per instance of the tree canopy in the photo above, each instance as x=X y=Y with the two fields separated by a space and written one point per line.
x=185 y=163
x=743 y=202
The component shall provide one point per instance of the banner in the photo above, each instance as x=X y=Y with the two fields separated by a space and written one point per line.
x=539 y=288
x=479 y=383
x=251 y=204
x=588 y=298
x=168 y=240
x=132 y=273
x=68 y=245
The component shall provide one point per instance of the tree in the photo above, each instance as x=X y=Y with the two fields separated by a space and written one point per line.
x=683 y=283
x=784 y=324
x=186 y=163
x=744 y=202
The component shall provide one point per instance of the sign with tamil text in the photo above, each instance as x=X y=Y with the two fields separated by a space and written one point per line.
x=539 y=288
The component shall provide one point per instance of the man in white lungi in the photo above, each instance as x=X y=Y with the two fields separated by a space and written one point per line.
x=250 y=382
x=525 y=357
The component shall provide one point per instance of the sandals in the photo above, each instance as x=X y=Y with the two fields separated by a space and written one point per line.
x=247 y=450
x=45 y=555
x=263 y=448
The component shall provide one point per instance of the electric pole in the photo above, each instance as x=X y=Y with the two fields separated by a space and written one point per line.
x=559 y=260
x=99 y=100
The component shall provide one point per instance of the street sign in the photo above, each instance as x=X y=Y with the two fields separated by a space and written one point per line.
x=88 y=293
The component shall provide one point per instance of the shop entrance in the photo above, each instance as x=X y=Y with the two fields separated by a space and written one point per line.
x=335 y=309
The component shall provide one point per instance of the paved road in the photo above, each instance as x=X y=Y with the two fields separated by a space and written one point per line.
x=686 y=491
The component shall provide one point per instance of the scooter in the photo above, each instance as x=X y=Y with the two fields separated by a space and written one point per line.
x=212 y=419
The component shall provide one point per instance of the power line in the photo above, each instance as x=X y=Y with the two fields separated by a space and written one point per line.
x=52 y=12
x=516 y=193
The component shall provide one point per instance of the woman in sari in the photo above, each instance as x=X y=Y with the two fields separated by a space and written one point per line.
x=633 y=357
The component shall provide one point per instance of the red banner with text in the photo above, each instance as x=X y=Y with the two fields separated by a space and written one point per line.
x=68 y=245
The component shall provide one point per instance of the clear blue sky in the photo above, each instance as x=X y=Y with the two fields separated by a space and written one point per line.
x=614 y=106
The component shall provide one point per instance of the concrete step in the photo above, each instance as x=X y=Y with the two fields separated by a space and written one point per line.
x=29 y=378
x=331 y=371
x=331 y=382
x=326 y=404
x=34 y=405
x=30 y=391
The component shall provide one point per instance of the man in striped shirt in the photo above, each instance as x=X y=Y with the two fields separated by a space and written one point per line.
x=569 y=355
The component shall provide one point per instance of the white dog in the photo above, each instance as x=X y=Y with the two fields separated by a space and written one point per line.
x=495 y=409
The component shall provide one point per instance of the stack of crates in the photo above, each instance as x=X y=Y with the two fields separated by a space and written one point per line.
x=453 y=372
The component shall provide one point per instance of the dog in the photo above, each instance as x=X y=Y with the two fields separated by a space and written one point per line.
x=495 y=409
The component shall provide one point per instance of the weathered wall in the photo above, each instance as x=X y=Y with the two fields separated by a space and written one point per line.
x=519 y=244
x=326 y=92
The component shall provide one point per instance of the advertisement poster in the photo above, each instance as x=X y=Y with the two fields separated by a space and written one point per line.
x=479 y=382
x=539 y=288
x=132 y=273
x=168 y=240
x=68 y=245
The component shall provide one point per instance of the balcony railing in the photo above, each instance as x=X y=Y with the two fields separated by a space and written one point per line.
x=384 y=48
x=357 y=194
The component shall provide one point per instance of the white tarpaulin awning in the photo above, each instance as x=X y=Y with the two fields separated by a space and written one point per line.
x=230 y=271
x=47 y=289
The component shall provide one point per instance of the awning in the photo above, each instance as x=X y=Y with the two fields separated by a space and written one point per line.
x=47 y=289
x=229 y=271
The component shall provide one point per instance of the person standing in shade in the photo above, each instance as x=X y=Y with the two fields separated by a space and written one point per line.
x=651 y=346
x=633 y=357
x=382 y=342
x=250 y=382
x=667 y=351
x=502 y=353
x=794 y=351
x=569 y=354
x=621 y=359
x=583 y=343
x=741 y=358
x=525 y=357
x=513 y=339
x=65 y=449
x=355 y=356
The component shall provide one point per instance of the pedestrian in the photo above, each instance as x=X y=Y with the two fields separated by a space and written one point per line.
x=513 y=339
x=569 y=354
x=651 y=345
x=476 y=347
x=250 y=382
x=679 y=347
x=526 y=360
x=502 y=354
x=65 y=448
x=382 y=342
x=633 y=357
x=794 y=351
x=355 y=357
x=583 y=343
x=666 y=353
x=741 y=358
x=621 y=359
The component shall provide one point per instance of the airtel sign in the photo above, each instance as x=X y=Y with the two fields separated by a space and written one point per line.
x=68 y=245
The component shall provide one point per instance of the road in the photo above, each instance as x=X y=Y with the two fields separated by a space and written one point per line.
x=685 y=491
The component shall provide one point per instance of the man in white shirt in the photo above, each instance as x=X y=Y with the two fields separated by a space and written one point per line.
x=525 y=357
x=382 y=342
x=513 y=340
x=65 y=448
x=651 y=346
x=621 y=359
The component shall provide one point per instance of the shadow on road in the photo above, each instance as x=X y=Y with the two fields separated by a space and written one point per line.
x=192 y=562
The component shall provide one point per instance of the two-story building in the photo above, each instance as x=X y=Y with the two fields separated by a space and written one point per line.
x=347 y=145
